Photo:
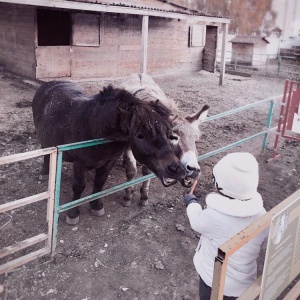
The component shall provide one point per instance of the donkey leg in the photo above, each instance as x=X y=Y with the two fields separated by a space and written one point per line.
x=101 y=175
x=78 y=187
x=145 y=187
x=45 y=169
x=131 y=170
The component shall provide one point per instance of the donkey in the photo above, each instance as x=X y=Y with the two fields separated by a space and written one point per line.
x=64 y=113
x=184 y=134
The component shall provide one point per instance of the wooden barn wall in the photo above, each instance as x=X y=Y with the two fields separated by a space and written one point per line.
x=260 y=53
x=169 y=49
x=119 y=51
x=17 y=46
x=243 y=53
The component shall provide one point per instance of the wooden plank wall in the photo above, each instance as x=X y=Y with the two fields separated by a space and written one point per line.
x=118 y=54
x=120 y=48
x=244 y=53
x=54 y=61
x=17 y=48
x=168 y=47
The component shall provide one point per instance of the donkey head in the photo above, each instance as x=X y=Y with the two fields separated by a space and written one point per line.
x=185 y=132
x=149 y=130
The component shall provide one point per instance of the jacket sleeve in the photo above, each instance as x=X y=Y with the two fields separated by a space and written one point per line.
x=201 y=220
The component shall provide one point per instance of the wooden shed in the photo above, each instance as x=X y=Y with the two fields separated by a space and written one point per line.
x=89 y=38
x=249 y=50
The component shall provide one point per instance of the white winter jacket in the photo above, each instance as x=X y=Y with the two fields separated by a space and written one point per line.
x=221 y=220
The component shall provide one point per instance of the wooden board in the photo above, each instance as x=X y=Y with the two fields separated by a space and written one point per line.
x=54 y=61
x=86 y=30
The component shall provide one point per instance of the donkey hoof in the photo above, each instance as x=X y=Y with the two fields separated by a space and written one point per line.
x=43 y=177
x=144 y=202
x=98 y=212
x=126 y=203
x=72 y=221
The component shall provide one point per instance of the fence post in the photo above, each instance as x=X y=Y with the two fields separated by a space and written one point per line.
x=279 y=65
x=57 y=199
x=235 y=60
x=268 y=125
x=267 y=64
x=219 y=274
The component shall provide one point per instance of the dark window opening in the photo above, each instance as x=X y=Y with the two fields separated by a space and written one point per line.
x=54 y=27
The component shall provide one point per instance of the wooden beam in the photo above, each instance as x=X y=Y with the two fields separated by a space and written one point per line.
x=223 y=55
x=22 y=245
x=294 y=293
x=253 y=291
x=144 y=56
x=50 y=203
x=240 y=239
x=219 y=275
x=96 y=7
x=22 y=260
x=24 y=201
x=26 y=155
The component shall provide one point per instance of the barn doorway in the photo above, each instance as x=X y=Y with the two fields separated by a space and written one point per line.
x=210 y=49
x=54 y=27
x=53 y=55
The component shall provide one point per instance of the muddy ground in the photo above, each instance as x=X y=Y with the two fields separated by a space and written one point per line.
x=134 y=252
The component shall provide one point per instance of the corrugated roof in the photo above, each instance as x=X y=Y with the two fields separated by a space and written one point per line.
x=248 y=39
x=157 y=5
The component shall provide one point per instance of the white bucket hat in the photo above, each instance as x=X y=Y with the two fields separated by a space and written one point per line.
x=236 y=175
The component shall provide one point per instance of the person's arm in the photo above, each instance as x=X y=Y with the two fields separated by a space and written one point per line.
x=200 y=220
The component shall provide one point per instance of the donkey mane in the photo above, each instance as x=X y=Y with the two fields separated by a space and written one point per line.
x=150 y=118
x=144 y=87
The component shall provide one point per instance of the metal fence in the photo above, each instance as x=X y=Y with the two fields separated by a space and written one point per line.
x=54 y=185
x=59 y=208
x=261 y=64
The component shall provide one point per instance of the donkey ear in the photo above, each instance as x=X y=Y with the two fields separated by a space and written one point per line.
x=173 y=118
x=199 y=117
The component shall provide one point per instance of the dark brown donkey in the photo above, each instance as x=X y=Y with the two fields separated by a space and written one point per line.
x=64 y=113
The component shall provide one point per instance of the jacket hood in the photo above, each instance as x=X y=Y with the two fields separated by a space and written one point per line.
x=235 y=207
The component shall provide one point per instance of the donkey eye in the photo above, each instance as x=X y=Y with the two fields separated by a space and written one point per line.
x=140 y=136
x=173 y=137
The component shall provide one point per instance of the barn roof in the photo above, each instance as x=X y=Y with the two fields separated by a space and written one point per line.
x=156 y=5
x=248 y=39
x=158 y=8
x=162 y=5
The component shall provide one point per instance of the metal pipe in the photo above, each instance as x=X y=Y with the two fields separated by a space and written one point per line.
x=229 y=146
x=242 y=108
x=101 y=194
x=269 y=120
x=78 y=145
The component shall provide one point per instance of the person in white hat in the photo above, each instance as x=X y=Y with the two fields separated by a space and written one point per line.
x=235 y=204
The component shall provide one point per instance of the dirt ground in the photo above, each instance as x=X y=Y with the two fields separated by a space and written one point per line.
x=135 y=252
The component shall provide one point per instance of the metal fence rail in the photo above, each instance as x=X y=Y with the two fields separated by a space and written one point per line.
x=262 y=64
x=64 y=207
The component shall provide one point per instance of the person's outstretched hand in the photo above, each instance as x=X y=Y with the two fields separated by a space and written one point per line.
x=190 y=198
